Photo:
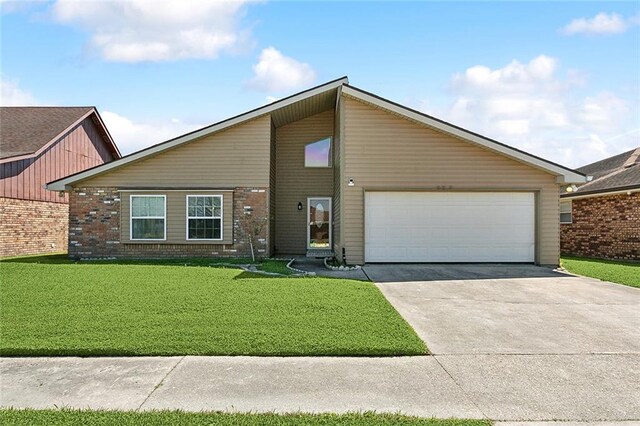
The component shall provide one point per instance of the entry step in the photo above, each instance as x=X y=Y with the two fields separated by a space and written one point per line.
x=319 y=253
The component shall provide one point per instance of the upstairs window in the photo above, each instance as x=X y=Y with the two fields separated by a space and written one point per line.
x=148 y=217
x=566 y=215
x=204 y=217
x=318 y=154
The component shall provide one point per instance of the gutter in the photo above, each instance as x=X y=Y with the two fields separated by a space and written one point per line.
x=616 y=191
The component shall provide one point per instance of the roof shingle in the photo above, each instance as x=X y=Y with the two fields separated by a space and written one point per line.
x=24 y=130
x=621 y=171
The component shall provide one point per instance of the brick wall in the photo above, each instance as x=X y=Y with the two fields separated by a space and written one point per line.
x=94 y=228
x=606 y=227
x=32 y=227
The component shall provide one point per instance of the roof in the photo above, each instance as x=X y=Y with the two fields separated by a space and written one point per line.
x=315 y=100
x=618 y=173
x=27 y=131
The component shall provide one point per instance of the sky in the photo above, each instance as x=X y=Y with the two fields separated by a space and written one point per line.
x=558 y=80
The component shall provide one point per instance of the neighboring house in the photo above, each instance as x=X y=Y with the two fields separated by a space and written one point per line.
x=38 y=145
x=602 y=218
x=331 y=169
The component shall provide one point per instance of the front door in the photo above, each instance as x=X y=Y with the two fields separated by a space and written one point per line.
x=319 y=220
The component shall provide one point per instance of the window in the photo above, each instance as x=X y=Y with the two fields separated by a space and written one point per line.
x=148 y=217
x=565 y=212
x=318 y=154
x=204 y=217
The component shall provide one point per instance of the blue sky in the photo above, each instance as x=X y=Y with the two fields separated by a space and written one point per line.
x=561 y=80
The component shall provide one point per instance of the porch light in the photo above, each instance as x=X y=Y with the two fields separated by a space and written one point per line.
x=299 y=205
x=351 y=183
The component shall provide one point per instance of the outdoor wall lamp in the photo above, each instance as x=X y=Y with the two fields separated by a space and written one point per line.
x=299 y=205
x=571 y=188
x=351 y=182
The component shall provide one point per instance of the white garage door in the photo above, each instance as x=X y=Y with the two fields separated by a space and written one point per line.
x=449 y=227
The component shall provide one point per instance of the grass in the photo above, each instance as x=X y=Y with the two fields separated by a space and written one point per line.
x=57 y=308
x=65 y=417
x=626 y=273
x=277 y=266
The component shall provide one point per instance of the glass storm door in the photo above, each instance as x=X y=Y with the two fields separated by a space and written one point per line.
x=319 y=220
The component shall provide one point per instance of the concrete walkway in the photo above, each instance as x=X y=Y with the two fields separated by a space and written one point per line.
x=514 y=388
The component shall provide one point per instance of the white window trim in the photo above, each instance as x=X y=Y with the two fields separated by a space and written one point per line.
x=570 y=212
x=186 y=212
x=164 y=218
x=330 y=154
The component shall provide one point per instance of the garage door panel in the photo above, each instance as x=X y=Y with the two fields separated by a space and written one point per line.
x=449 y=227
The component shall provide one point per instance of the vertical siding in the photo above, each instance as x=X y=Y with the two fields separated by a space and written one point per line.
x=385 y=151
x=79 y=149
x=236 y=157
x=295 y=182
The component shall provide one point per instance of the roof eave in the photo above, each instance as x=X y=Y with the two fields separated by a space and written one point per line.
x=598 y=192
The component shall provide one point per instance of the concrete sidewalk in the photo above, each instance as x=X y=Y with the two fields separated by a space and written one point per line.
x=510 y=387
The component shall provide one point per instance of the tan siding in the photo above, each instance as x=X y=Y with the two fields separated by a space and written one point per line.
x=176 y=216
x=295 y=183
x=236 y=157
x=384 y=151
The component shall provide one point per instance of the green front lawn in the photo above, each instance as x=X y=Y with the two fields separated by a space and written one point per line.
x=607 y=270
x=112 y=309
x=12 y=417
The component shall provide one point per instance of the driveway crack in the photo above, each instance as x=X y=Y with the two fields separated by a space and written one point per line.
x=160 y=383
x=461 y=388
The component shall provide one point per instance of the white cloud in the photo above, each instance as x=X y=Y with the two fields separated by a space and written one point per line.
x=131 y=136
x=12 y=95
x=158 y=30
x=602 y=23
x=532 y=107
x=275 y=72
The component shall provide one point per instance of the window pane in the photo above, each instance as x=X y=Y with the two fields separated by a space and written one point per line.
x=147 y=229
x=318 y=154
x=147 y=206
x=217 y=212
x=203 y=206
x=565 y=218
x=204 y=229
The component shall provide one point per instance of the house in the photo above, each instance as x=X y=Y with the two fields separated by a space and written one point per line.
x=601 y=218
x=38 y=145
x=333 y=169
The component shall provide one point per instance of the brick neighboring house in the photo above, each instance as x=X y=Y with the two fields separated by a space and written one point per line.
x=601 y=219
x=37 y=145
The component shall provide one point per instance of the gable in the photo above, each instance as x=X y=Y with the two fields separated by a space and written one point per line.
x=385 y=148
x=80 y=148
x=237 y=156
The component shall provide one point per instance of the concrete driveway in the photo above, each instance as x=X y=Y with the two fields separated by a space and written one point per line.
x=523 y=341
x=500 y=309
